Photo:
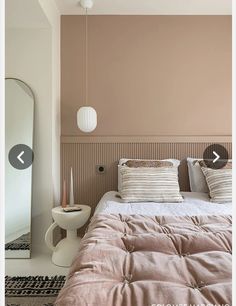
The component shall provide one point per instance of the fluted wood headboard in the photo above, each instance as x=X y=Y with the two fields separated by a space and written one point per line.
x=84 y=153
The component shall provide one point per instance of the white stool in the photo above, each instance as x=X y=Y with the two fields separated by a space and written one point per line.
x=65 y=251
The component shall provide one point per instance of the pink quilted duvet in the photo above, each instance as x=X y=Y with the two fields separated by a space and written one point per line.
x=148 y=261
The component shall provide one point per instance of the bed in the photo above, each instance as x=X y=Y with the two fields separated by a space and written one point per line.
x=149 y=254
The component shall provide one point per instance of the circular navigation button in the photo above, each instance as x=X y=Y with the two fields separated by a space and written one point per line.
x=215 y=156
x=21 y=156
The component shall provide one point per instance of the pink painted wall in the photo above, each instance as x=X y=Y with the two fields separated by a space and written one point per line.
x=149 y=75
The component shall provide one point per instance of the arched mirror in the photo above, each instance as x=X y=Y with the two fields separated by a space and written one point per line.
x=19 y=114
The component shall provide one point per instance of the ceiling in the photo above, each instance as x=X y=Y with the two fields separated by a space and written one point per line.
x=148 y=7
x=24 y=14
x=29 y=13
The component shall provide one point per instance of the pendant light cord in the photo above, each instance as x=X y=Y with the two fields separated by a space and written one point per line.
x=86 y=58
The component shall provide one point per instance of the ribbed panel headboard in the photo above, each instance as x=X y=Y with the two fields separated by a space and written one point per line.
x=83 y=154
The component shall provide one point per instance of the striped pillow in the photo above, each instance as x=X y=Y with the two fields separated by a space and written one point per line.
x=219 y=183
x=132 y=163
x=150 y=184
x=227 y=166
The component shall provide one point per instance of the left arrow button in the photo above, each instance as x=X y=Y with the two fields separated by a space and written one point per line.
x=21 y=156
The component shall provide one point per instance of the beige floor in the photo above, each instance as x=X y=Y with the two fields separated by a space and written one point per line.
x=39 y=264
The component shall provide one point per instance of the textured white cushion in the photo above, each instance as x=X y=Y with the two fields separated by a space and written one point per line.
x=197 y=179
x=157 y=184
x=175 y=163
x=219 y=183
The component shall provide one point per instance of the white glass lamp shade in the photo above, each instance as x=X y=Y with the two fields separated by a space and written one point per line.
x=87 y=119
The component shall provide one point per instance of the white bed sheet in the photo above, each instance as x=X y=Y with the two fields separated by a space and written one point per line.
x=195 y=203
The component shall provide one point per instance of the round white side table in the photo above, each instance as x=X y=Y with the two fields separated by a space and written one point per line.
x=65 y=251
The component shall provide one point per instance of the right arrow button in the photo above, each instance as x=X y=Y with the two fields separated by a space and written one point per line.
x=215 y=156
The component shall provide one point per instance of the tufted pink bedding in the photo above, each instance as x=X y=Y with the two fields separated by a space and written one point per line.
x=146 y=261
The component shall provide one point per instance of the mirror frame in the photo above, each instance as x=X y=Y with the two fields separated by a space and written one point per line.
x=33 y=130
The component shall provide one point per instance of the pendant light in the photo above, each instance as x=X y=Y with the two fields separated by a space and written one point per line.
x=86 y=115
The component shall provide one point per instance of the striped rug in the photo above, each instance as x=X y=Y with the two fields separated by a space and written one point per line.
x=32 y=290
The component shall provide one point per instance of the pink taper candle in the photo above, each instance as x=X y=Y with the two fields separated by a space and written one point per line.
x=63 y=204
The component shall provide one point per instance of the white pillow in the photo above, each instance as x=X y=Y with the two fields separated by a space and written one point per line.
x=175 y=162
x=196 y=177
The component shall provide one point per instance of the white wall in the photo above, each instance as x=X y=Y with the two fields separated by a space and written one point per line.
x=28 y=57
x=51 y=11
x=33 y=55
